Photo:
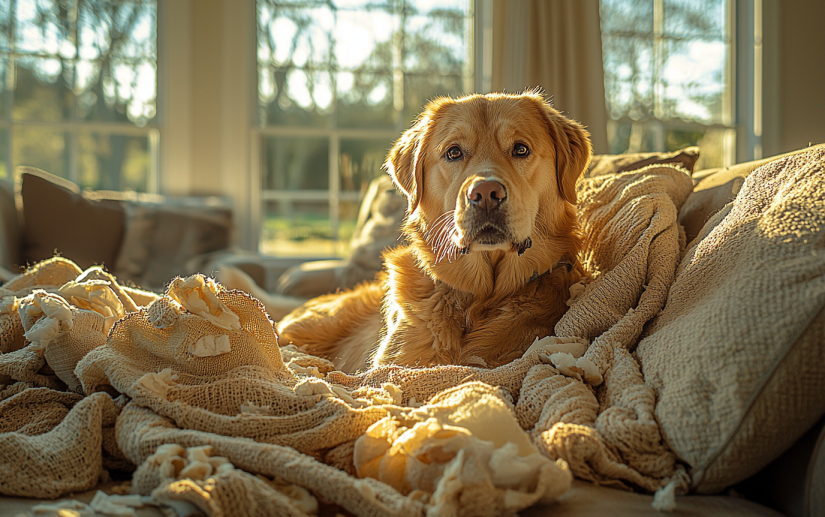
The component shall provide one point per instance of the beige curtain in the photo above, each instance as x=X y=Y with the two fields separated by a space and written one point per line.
x=557 y=45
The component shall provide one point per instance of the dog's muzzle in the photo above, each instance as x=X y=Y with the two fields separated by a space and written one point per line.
x=483 y=219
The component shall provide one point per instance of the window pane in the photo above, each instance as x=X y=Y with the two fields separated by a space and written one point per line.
x=297 y=228
x=419 y=89
x=628 y=76
x=366 y=101
x=39 y=28
x=454 y=7
x=697 y=18
x=97 y=57
x=295 y=97
x=627 y=16
x=360 y=163
x=694 y=80
x=113 y=162
x=363 y=40
x=40 y=92
x=436 y=44
x=367 y=48
x=44 y=148
x=716 y=145
x=296 y=163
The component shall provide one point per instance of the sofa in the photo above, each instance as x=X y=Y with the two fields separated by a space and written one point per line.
x=791 y=477
x=143 y=239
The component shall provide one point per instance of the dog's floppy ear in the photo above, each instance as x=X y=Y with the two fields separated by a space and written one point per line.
x=573 y=151
x=405 y=162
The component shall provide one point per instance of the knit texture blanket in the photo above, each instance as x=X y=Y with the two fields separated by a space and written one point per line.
x=191 y=392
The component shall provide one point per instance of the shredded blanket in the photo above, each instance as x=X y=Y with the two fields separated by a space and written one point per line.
x=191 y=392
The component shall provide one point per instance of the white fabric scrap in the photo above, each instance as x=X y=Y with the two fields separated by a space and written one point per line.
x=9 y=305
x=251 y=408
x=582 y=368
x=198 y=295
x=158 y=383
x=394 y=392
x=309 y=387
x=210 y=346
x=116 y=505
x=94 y=295
x=63 y=508
x=664 y=500
x=309 y=371
x=52 y=315
x=550 y=345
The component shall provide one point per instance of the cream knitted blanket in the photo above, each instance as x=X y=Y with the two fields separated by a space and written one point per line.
x=191 y=391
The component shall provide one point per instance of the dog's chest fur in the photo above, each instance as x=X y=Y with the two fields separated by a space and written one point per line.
x=430 y=322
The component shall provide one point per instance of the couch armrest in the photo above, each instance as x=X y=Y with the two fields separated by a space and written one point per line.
x=794 y=483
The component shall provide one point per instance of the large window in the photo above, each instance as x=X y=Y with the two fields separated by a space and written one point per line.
x=668 y=76
x=338 y=81
x=78 y=90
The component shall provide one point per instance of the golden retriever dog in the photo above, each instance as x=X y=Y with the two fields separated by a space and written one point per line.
x=491 y=224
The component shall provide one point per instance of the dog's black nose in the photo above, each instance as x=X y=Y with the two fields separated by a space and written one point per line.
x=487 y=194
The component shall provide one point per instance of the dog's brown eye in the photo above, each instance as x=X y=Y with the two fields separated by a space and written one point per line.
x=521 y=150
x=453 y=153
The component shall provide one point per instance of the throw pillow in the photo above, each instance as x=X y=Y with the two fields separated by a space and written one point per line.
x=716 y=189
x=57 y=218
x=9 y=228
x=602 y=164
x=736 y=356
x=161 y=239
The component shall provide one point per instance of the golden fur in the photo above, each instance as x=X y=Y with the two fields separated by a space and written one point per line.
x=469 y=288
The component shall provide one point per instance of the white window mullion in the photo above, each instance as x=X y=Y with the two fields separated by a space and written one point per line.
x=334 y=189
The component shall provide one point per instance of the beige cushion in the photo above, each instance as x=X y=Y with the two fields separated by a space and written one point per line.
x=615 y=163
x=10 y=258
x=163 y=238
x=716 y=188
x=379 y=223
x=378 y=228
x=57 y=218
x=736 y=357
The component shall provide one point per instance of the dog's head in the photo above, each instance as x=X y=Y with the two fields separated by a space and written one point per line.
x=489 y=172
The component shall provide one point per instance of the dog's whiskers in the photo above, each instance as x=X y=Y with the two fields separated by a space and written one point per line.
x=439 y=236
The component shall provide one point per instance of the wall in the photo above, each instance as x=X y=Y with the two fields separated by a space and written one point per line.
x=207 y=92
x=801 y=74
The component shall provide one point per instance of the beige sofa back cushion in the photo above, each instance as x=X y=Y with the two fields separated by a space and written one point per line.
x=57 y=218
x=9 y=229
x=715 y=189
x=736 y=357
x=602 y=164
x=163 y=238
